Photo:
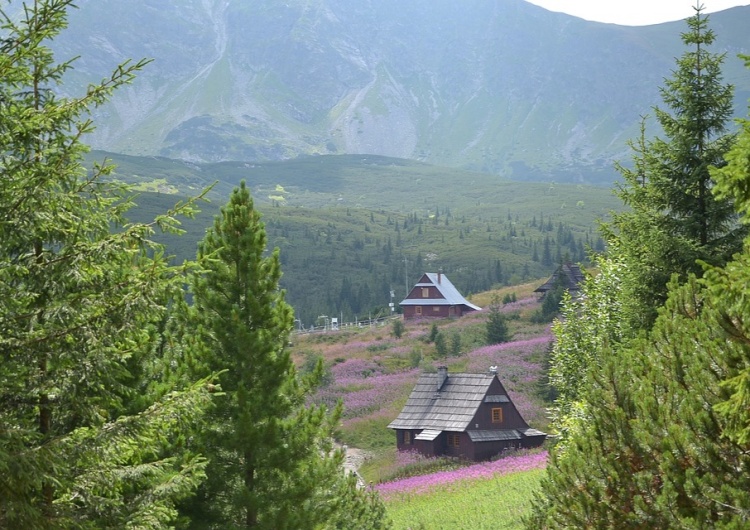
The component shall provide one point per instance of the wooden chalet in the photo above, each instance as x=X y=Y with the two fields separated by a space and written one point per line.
x=569 y=275
x=463 y=415
x=435 y=296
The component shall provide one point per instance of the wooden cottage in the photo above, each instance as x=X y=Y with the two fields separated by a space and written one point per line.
x=569 y=275
x=435 y=296
x=463 y=415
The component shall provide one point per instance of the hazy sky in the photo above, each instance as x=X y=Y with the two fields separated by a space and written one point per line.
x=634 y=12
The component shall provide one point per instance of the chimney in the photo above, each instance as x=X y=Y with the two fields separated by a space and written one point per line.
x=442 y=375
x=440 y=274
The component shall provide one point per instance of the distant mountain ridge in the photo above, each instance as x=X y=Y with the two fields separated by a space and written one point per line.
x=498 y=86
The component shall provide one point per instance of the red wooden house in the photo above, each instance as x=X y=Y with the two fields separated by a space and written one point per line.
x=463 y=415
x=435 y=296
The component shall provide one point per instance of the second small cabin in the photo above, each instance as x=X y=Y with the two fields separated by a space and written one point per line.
x=435 y=296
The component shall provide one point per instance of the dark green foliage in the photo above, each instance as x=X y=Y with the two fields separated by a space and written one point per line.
x=314 y=364
x=654 y=450
x=509 y=298
x=497 y=325
x=86 y=440
x=455 y=345
x=434 y=332
x=675 y=219
x=550 y=305
x=398 y=328
x=272 y=463
x=441 y=346
x=415 y=357
x=350 y=274
x=654 y=418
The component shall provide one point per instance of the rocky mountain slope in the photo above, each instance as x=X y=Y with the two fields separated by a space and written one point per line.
x=499 y=86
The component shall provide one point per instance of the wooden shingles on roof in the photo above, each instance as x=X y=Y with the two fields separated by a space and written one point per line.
x=452 y=408
x=568 y=275
x=466 y=415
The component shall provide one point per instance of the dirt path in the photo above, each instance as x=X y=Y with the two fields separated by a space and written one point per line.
x=353 y=460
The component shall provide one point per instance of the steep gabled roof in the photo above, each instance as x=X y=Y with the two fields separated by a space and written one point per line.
x=450 y=409
x=568 y=275
x=449 y=293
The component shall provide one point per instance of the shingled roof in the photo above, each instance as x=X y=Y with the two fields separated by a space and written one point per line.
x=568 y=275
x=450 y=409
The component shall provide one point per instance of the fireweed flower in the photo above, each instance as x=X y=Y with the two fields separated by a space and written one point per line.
x=423 y=483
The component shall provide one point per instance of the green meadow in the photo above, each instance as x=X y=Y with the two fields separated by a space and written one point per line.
x=497 y=503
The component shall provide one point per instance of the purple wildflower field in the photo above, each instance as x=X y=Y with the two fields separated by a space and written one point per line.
x=364 y=387
x=423 y=483
x=372 y=375
x=368 y=386
x=515 y=367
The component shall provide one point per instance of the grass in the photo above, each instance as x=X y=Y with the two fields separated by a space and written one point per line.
x=499 y=502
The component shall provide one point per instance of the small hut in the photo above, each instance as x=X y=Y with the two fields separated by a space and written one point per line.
x=463 y=415
x=567 y=275
x=435 y=296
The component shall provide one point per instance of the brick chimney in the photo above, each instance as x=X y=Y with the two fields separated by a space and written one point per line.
x=440 y=275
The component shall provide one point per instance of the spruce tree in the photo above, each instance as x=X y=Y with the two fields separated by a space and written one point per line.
x=80 y=307
x=496 y=326
x=663 y=441
x=675 y=219
x=272 y=463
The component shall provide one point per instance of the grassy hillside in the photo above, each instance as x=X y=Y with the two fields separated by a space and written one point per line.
x=353 y=229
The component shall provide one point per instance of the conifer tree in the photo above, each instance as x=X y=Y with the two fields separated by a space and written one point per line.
x=675 y=220
x=272 y=463
x=658 y=447
x=496 y=326
x=665 y=439
x=79 y=311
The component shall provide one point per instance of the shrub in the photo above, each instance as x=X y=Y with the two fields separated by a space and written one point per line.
x=398 y=328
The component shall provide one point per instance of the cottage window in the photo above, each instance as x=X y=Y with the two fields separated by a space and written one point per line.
x=425 y=292
x=497 y=415
x=436 y=308
x=454 y=440
x=407 y=437
x=417 y=309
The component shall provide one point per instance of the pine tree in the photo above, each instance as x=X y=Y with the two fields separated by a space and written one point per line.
x=657 y=449
x=272 y=463
x=80 y=308
x=496 y=325
x=732 y=184
x=662 y=441
x=675 y=220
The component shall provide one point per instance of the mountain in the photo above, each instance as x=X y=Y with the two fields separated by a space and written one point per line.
x=499 y=86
